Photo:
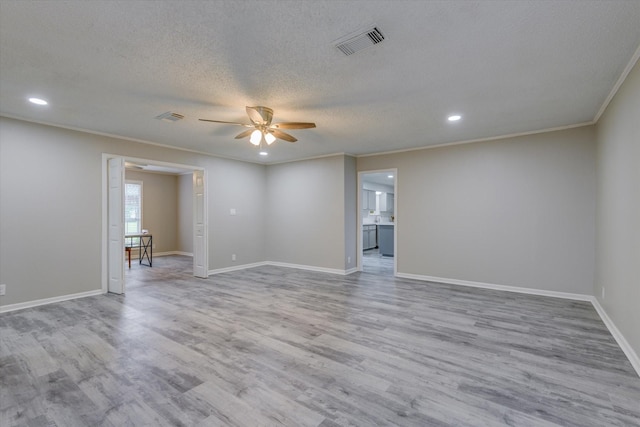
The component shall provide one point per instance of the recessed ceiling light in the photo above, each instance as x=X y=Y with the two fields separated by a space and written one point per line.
x=263 y=153
x=389 y=176
x=38 y=101
x=454 y=118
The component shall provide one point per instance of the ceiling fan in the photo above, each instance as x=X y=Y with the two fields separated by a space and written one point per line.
x=261 y=126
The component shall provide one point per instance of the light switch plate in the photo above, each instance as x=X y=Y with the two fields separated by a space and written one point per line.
x=232 y=211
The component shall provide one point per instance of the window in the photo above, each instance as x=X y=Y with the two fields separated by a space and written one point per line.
x=133 y=208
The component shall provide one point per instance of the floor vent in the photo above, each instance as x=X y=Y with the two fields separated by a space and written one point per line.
x=170 y=117
x=361 y=40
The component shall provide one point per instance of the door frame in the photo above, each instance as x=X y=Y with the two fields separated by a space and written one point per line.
x=359 y=248
x=105 y=211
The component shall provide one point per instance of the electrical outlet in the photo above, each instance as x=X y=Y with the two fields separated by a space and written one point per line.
x=348 y=260
x=233 y=257
x=3 y=289
x=603 y=292
x=232 y=211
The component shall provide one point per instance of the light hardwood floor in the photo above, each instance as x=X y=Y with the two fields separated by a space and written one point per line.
x=277 y=346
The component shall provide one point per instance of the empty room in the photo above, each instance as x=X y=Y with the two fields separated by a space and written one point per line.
x=320 y=213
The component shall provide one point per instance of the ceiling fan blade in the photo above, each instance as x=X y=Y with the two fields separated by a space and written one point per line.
x=260 y=115
x=228 y=123
x=293 y=125
x=281 y=135
x=244 y=134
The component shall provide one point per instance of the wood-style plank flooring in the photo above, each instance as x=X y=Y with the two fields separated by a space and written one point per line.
x=276 y=346
x=373 y=262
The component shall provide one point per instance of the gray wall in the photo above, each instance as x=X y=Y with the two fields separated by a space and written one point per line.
x=305 y=212
x=350 y=212
x=240 y=186
x=517 y=212
x=185 y=213
x=159 y=208
x=49 y=250
x=618 y=219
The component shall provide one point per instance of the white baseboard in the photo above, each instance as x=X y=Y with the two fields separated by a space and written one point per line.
x=35 y=303
x=236 y=268
x=172 y=253
x=517 y=289
x=283 y=264
x=615 y=332
x=311 y=268
x=617 y=335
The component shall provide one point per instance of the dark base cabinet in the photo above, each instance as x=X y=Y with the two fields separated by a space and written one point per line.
x=385 y=239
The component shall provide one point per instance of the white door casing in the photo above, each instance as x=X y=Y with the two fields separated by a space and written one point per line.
x=200 y=256
x=115 y=232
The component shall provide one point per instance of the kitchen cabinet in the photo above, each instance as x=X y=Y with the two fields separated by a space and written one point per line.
x=369 y=237
x=369 y=200
x=386 y=202
x=385 y=240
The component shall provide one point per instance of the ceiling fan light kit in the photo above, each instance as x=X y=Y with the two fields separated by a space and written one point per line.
x=261 y=127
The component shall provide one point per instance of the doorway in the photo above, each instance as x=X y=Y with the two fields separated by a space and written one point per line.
x=113 y=278
x=377 y=222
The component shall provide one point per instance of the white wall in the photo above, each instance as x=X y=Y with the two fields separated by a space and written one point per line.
x=618 y=218
x=516 y=212
x=48 y=249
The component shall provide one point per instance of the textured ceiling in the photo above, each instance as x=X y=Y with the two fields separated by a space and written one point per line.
x=507 y=67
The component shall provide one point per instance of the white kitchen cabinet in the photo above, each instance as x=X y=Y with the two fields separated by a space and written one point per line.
x=368 y=200
x=386 y=202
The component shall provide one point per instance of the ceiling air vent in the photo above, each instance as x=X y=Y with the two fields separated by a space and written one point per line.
x=360 y=40
x=170 y=117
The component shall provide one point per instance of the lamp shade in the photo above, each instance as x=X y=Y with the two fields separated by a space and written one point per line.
x=269 y=138
x=256 y=136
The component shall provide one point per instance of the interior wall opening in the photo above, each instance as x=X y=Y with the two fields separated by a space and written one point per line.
x=377 y=218
x=167 y=209
x=158 y=220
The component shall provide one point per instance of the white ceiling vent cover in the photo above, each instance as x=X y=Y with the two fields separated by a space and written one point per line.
x=360 y=40
x=170 y=117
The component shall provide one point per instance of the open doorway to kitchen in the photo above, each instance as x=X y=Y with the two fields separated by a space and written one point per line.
x=377 y=222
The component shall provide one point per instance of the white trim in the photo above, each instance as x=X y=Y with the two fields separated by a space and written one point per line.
x=283 y=264
x=615 y=332
x=35 y=303
x=308 y=267
x=617 y=335
x=236 y=268
x=105 y=157
x=517 y=289
x=486 y=139
x=172 y=253
x=616 y=87
x=319 y=156
x=359 y=249
x=125 y=138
